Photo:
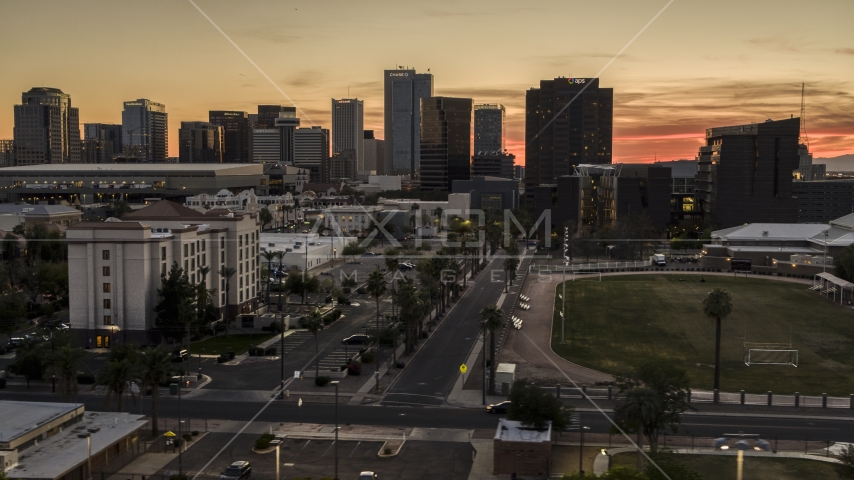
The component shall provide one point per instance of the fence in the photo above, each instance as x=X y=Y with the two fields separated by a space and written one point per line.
x=727 y=398
x=585 y=267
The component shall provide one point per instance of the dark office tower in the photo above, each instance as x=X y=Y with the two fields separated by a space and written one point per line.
x=488 y=128
x=744 y=174
x=374 y=152
x=105 y=132
x=347 y=128
x=7 y=153
x=145 y=130
x=558 y=139
x=311 y=148
x=445 y=141
x=267 y=115
x=200 y=142
x=286 y=123
x=404 y=90
x=47 y=128
x=238 y=135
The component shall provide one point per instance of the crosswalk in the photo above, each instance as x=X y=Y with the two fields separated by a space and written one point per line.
x=338 y=357
x=291 y=343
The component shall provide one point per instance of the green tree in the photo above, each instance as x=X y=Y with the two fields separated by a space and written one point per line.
x=155 y=368
x=674 y=470
x=717 y=305
x=846 y=457
x=118 y=209
x=533 y=406
x=376 y=288
x=492 y=319
x=314 y=324
x=636 y=409
x=510 y=266
x=176 y=306
x=265 y=217
x=352 y=249
x=117 y=374
x=280 y=271
x=301 y=284
x=29 y=361
x=844 y=264
x=225 y=273
x=411 y=309
x=64 y=363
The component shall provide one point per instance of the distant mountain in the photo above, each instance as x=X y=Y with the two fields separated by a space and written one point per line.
x=843 y=163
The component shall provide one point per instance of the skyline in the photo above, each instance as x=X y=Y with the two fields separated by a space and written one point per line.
x=670 y=85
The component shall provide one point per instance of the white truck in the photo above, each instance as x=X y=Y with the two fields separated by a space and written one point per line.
x=658 y=259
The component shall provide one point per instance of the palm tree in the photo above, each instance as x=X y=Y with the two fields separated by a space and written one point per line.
x=411 y=309
x=154 y=368
x=314 y=324
x=64 y=364
x=225 y=273
x=717 y=305
x=510 y=265
x=265 y=217
x=636 y=410
x=280 y=257
x=438 y=212
x=269 y=256
x=115 y=376
x=492 y=318
x=376 y=288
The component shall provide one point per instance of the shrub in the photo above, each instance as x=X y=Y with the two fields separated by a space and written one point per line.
x=321 y=381
x=354 y=368
x=346 y=290
x=2 y=383
x=368 y=357
x=177 y=442
x=270 y=351
x=361 y=290
x=222 y=358
x=86 y=379
x=336 y=314
x=343 y=300
x=195 y=433
x=188 y=438
x=262 y=443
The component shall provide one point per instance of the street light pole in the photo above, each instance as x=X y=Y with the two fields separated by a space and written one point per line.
x=278 y=447
x=335 y=382
x=581 y=451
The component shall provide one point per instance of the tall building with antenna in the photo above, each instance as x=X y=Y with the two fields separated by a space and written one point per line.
x=404 y=89
x=145 y=128
x=348 y=118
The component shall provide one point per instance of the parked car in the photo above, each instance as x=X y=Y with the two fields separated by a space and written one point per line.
x=369 y=254
x=238 y=470
x=15 y=342
x=180 y=356
x=358 y=339
x=368 y=476
x=500 y=407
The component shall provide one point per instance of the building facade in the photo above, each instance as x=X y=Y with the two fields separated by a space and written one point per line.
x=109 y=134
x=493 y=164
x=7 y=153
x=117 y=267
x=286 y=123
x=266 y=145
x=489 y=128
x=568 y=122
x=489 y=193
x=267 y=115
x=237 y=135
x=145 y=127
x=200 y=142
x=311 y=148
x=744 y=174
x=338 y=167
x=47 y=128
x=820 y=201
x=445 y=141
x=404 y=90
x=348 y=133
x=373 y=153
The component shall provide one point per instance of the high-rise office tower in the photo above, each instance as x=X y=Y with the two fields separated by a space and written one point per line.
x=238 y=134
x=373 y=152
x=105 y=132
x=744 y=174
x=489 y=130
x=348 y=128
x=286 y=123
x=311 y=148
x=7 y=153
x=267 y=115
x=47 y=128
x=404 y=90
x=266 y=145
x=145 y=130
x=200 y=142
x=557 y=139
x=445 y=141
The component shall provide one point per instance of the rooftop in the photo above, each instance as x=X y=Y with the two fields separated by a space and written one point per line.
x=513 y=431
x=18 y=418
x=197 y=169
x=771 y=231
x=28 y=209
x=164 y=210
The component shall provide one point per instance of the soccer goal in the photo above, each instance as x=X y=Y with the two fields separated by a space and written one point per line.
x=770 y=354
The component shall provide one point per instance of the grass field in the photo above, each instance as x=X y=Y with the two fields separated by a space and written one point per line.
x=755 y=468
x=232 y=343
x=624 y=320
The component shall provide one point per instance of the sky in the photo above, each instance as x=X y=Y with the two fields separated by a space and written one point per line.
x=699 y=64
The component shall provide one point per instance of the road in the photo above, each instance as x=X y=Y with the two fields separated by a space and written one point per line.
x=431 y=374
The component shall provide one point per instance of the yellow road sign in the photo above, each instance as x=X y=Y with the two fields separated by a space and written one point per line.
x=169 y=434
x=463 y=368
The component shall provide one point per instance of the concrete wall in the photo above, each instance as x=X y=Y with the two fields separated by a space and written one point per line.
x=522 y=458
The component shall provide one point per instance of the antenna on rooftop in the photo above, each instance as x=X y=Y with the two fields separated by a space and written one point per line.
x=806 y=139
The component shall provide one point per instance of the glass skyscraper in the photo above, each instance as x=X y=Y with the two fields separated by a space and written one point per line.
x=404 y=90
x=145 y=130
x=47 y=128
x=445 y=141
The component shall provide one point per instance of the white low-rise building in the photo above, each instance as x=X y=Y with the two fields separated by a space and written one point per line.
x=115 y=267
x=245 y=201
x=303 y=251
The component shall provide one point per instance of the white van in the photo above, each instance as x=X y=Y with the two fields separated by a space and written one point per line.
x=658 y=259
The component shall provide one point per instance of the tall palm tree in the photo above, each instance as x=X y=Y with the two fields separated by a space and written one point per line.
x=637 y=409
x=269 y=256
x=411 y=309
x=314 y=324
x=438 y=212
x=510 y=266
x=115 y=376
x=64 y=363
x=717 y=305
x=493 y=319
x=225 y=273
x=154 y=367
x=376 y=288
x=280 y=257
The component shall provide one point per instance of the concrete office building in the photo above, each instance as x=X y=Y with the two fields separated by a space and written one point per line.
x=47 y=128
x=266 y=145
x=200 y=142
x=7 y=153
x=684 y=206
x=493 y=164
x=267 y=115
x=489 y=193
x=339 y=167
x=286 y=178
x=348 y=118
x=311 y=148
x=820 y=201
x=489 y=128
x=117 y=266
x=445 y=141
x=105 y=132
x=286 y=123
x=145 y=130
x=561 y=137
x=745 y=174
x=237 y=135
x=374 y=152
x=404 y=90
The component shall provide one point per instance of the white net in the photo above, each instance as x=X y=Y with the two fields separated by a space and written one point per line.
x=764 y=356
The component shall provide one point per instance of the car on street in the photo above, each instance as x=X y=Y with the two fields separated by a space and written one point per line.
x=369 y=254
x=368 y=476
x=15 y=342
x=180 y=356
x=238 y=470
x=358 y=339
x=500 y=407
